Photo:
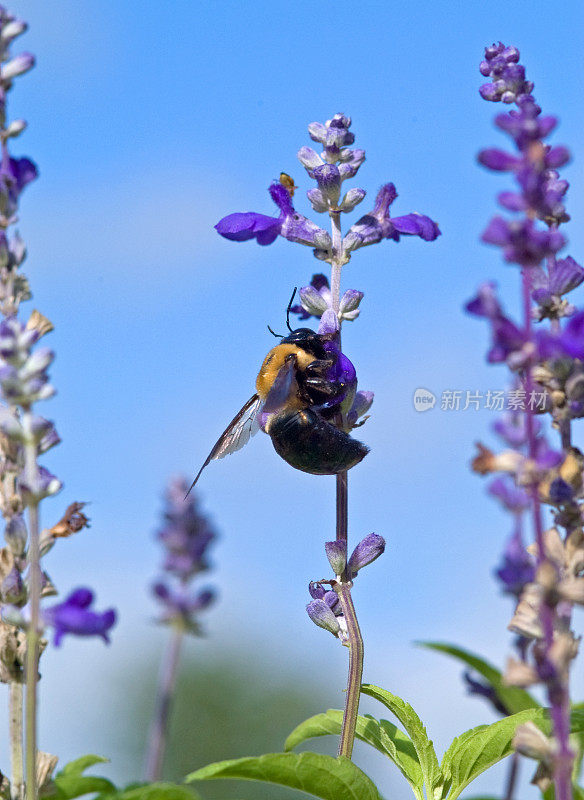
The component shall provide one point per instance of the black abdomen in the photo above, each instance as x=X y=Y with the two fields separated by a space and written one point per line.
x=311 y=444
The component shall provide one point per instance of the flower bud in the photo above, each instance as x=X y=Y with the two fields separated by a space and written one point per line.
x=335 y=552
x=16 y=535
x=351 y=199
x=12 y=29
x=349 y=305
x=15 y=128
x=329 y=322
x=320 y=613
x=317 y=200
x=42 y=485
x=329 y=182
x=531 y=742
x=16 y=66
x=313 y=301
x=12 y=590
x=317 y=132
x=309 y=158
x=370 y=548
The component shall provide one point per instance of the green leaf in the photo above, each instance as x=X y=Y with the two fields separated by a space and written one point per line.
x=79 y=766
x=381 y=734
x=70 y=786
x=513 y=698
x=414 y=727
x=480 y=748
x=577 y=720
x=322 y=776
x=158 y=791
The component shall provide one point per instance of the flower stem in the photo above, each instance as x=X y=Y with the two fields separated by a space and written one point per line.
x=354 y=678
x=166 y=686
x=512 y=777
x=558 y=689
x=16 y=735
x=336 y=263
x=343 y=586
x=34 y=577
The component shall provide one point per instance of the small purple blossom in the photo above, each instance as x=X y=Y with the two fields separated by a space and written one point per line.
x=241 y=227
x=180 y=607
x=378 y=224
x=517 y=567
x=74 y=616
x=513 y=498
x=522 y=242
x=484 y=689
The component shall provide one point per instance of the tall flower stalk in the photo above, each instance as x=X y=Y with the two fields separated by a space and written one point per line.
x=186 y=535
x=333 y=609
x=548 y=380
x=24 y=483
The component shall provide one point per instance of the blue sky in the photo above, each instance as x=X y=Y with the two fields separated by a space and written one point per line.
x=150 y=122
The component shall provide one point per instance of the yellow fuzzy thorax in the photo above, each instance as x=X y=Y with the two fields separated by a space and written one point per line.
x=274 y=362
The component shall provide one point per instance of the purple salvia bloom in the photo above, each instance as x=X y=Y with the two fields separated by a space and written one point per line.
x=368 y=549
x=514 y=498
x=517 y=567
x=186 y=533
x=522 y=242
x=511 y=427
x=485 y=303
x=290 y=225
x=74 y=616
x=378 y=225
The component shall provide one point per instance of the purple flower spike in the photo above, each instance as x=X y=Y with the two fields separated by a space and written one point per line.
x=74 y=616
x=186 y=534
x=370 y=548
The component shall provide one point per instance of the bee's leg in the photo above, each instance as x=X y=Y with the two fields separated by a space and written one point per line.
x=318 y=367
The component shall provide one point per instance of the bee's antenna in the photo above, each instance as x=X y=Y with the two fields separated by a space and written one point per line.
x=277 y=335
x=288 y=309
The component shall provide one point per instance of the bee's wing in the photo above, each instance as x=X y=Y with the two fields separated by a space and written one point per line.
x=282 y=387
x=237 y=434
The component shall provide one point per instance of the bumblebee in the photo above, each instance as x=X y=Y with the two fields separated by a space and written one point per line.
x=300 y=387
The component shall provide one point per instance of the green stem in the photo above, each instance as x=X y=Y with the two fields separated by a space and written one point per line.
x=16 y=736
x=355 y=676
